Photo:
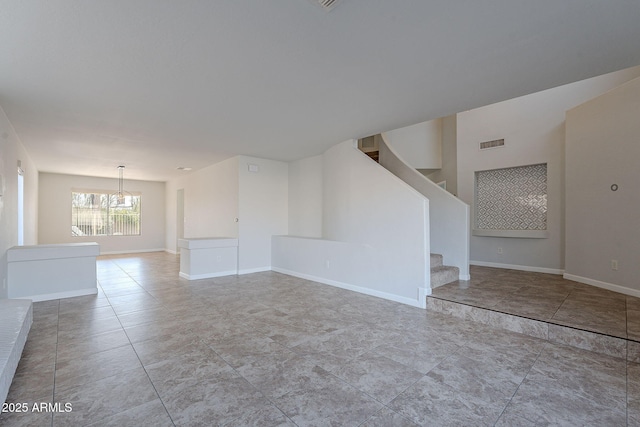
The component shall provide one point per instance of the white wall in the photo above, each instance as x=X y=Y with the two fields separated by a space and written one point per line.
x=448 y=215
x=533 y=129
x=263 y=207
x=420 y=144
x=449 y=171
x=210 y=203
x=305 y=197
x=602 y=149
x=54 y=212
x=12 y=150
x=376 y=236
x=221 y=193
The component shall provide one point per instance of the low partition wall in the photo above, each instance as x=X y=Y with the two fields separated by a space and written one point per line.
x=205 y=257
x=47 y=272
x=16 y=316
x=356 y=267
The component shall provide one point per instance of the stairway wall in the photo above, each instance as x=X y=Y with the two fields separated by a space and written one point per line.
x=448 y=216
x=419 y=144
x=375 y=232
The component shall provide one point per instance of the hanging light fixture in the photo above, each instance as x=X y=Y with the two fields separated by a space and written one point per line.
x=121 y=199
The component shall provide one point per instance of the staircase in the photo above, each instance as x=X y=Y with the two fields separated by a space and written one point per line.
x=442 y=274
x=375 y=155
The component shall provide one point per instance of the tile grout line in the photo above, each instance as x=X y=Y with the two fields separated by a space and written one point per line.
x=203 y=342
x=384 y=405
x=247 y=381
x=562 y=303
x=544 y=347
x=329 y=372
x=139 y=360
x=55 y=362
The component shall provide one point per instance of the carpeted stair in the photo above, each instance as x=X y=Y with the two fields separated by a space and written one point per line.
x=442 y=274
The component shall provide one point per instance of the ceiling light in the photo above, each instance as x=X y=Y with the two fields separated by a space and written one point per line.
x=121 y=199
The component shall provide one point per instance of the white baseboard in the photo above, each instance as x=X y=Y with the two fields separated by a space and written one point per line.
x=518 y=267
x=172 y=252
x=134 y=251
x=604 y=285
x=422 y=297
x=464 y=277
x=420 y=302
x=207 y=275
x=254 y=270
x=60 y=295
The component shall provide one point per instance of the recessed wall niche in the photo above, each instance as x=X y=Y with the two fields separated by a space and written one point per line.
x=511 y=202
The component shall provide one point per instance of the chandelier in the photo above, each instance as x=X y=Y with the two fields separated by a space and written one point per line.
x=121 y=199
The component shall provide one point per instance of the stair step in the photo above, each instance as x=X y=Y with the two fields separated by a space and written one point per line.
x=375 y=155
x=436 y=260
x=443 y=274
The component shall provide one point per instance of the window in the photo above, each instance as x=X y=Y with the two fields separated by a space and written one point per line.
x=512 y=202
x=101 y=214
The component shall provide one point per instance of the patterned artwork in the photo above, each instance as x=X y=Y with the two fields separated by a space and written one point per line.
x=512 y=198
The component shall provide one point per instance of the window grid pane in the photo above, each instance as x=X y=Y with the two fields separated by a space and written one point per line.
x=91 y=215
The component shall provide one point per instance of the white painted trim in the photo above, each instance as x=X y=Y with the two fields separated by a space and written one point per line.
x=254 y=270
x=419 y=303
x=172 y=252
x=60 y=295
x=604 y=285
x=520 y=234
x=52 y=252
x=207 y=275
x=422 y=297
x=135 y=251
x=518 y=267
x=464 y=277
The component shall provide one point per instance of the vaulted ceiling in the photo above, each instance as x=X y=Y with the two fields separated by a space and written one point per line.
x=158 y=84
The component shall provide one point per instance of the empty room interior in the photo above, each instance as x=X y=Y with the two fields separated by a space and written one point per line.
x=319 y=212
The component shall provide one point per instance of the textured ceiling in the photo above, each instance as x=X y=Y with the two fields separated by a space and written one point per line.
x=157 y=84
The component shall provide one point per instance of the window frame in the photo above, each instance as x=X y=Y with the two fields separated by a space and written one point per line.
x=532 y=233
x=105 y=213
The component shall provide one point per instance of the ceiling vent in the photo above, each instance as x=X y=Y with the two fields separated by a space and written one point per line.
x=496 y=143
x=327 y=5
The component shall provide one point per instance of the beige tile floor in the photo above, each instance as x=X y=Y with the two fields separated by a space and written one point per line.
x=267 y=349
x=549 y=298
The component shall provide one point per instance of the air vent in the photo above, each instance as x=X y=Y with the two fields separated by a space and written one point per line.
x=327 y=5
x=496 y=143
